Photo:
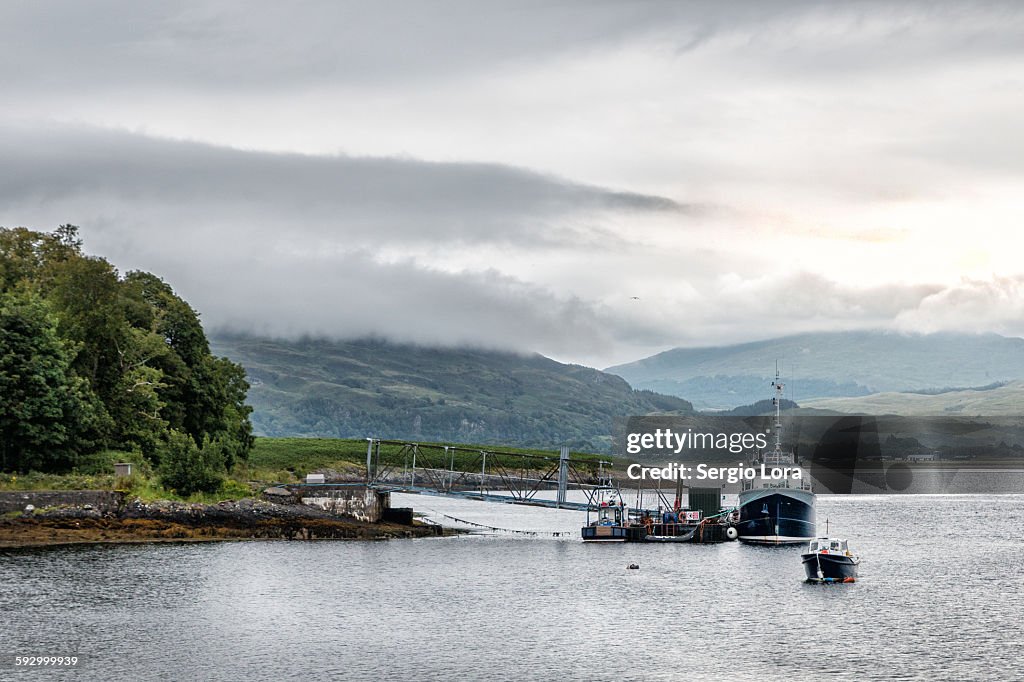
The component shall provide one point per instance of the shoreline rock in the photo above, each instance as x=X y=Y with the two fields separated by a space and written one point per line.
x=169 y=521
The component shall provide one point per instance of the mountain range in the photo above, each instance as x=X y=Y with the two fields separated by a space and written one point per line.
x=356 y=389
x=828 y=365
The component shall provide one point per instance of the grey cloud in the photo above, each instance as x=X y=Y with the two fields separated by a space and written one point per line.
x=763 y=103
x=74 y=46
x=736 y=310
x=813 y=296
x=249 y=289
x=987 y=140
x=242 y=45
x=353 y=297
x=971 y=305
x=343 y=200
x=290 y=245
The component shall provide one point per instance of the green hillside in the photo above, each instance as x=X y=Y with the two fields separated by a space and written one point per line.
x=997 y=401
x=290 y=459
x=355 y=389
x=823 y=365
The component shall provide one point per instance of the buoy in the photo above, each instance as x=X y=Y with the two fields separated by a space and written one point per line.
x=633 y=566
x=732 y=533
x=29 y=509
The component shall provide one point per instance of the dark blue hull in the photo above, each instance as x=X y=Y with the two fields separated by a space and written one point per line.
x=830 y=568
x=776 y=516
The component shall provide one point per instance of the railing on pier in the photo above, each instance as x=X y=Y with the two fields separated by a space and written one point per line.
x=485 y=474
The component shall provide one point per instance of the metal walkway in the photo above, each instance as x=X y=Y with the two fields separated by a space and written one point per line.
x=479 y=474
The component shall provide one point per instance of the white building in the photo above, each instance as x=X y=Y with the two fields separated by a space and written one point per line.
x=924 y=457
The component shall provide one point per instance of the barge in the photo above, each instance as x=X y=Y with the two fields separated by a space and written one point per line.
x=616 y=522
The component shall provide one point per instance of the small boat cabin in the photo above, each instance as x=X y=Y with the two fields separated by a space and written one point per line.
x=609 y=515
x=829 y=546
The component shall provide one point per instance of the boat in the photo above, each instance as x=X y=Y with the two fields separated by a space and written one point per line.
x=829 y=560
x=612 y=524
x=776 y=511
x=616 y=522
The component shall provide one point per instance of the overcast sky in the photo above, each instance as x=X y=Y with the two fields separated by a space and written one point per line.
x=595 y=181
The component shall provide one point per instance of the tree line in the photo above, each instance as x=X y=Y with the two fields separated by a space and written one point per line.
x=91 y=359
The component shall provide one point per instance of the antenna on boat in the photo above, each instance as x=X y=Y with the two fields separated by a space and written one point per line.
x=777 y=400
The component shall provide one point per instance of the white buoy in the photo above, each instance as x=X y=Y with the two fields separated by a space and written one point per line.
x=732 y=533
x=29 y=509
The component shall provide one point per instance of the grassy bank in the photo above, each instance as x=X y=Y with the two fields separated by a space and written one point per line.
x=272 y=460
x=299 y=456
x=96 y=472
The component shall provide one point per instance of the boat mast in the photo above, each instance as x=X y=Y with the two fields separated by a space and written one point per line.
x=777 y=385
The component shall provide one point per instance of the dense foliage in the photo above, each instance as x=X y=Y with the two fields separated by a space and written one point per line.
x=91 y=360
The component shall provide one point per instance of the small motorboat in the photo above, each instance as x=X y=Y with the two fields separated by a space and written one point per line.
x=829 y=560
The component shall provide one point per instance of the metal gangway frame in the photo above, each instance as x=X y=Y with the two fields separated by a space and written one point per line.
x=481 y=473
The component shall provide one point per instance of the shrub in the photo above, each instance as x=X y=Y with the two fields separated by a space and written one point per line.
x=187 y=469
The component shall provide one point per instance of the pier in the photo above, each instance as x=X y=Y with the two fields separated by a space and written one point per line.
x=483 y=474
x=538 y=480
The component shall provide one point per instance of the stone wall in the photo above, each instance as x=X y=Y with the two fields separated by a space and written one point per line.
x=357 y=502
x=101 y=500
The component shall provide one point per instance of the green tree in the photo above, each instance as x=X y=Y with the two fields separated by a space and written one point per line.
x=203 y=395
x=86 y=295
x=93 y=360
x=227 y=418
x=29 y=257
x=46 y=413
x=136 y=404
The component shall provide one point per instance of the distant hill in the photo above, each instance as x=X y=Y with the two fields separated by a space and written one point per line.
x=988 y=401
x=761 y=407
x=825 y=365
x=355 y=389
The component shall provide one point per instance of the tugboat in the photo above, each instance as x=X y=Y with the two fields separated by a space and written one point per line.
x=828 y=560
x=776 y=511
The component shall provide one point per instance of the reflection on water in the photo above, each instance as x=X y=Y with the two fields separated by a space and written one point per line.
x=940 y=596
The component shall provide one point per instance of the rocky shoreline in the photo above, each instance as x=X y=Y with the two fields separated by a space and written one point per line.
x=166 y=521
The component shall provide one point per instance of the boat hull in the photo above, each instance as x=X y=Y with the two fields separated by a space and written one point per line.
x=612 y=533
x=665 y=533
x=776 y=516
x=682 y=537
x=830 y=568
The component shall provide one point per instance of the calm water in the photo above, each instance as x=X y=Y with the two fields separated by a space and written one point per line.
x=941 y=596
